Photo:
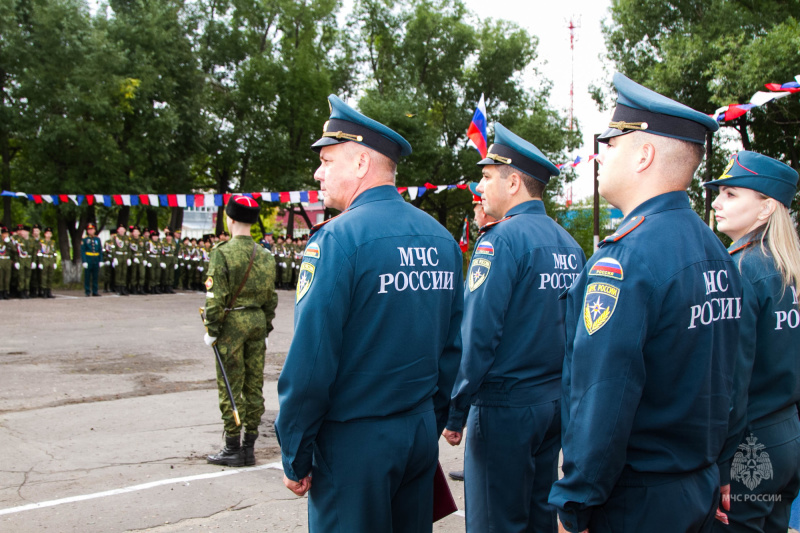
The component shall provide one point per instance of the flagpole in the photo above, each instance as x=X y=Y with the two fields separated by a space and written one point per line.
x=596 y=216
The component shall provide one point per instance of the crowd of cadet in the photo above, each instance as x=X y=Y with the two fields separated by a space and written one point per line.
x=27 y=262
x=130 y=262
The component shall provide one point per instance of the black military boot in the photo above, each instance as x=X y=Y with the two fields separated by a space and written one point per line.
x=49 y=293
x=248 y=446
x=230 y=455
x=24 y=295
x=124 y=290
x=156 y=289
x=170 y=290
x=3 y=295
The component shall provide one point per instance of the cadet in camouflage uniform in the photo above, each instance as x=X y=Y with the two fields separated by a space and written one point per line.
x=183 y=272
x=178 y=253
x=192 y=275
x=240 y=328
x=153 y=263
x=36 y=276
x=168 y=262
x=23 y=260
x=47 y=262
x=121 y=260
x=279 y=253
x=288 y=263
x=5 y=263
x=204 y=255
x=137 y=244
x=107 y=274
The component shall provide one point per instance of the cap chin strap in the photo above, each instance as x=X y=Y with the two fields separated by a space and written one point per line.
x=622 y=125
x=339 y=135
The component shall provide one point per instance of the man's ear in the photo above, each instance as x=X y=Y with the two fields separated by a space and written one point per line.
x=362 y=162
x=646 y=156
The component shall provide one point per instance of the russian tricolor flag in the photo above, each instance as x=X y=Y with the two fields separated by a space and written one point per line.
x=477 y=129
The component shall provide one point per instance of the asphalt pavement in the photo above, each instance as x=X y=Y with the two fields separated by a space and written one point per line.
x=108 y=408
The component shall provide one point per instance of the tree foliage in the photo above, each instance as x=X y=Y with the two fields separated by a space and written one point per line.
x=225 y=95
x=711 y=53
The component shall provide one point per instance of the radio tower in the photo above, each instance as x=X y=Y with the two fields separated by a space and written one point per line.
x=572 y=27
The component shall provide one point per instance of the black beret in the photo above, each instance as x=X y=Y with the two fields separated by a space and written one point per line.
x=243 y=209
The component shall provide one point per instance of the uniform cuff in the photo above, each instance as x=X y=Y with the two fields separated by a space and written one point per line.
x=289 y=471
x=574 y=521
x=456 y=420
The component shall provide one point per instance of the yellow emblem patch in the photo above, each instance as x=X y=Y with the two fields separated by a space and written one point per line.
x=478 y=272
x=725 y=174
x=598 y=305
x=304 y=280
x=209 y=283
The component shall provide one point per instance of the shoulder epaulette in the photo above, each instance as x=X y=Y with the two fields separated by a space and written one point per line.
x=490 y=225
x=623 y=230
x=220 y=243
x=740 y=248
x=317 y=227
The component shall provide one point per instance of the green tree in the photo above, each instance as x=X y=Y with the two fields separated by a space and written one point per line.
x=270 y=67
x=426 y=63
x=711 y=53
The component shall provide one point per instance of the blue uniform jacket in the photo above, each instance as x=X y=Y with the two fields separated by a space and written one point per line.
x=513 y=327
x=91 y=245
x=768 y=373
x=377 y=318
x=652 y=333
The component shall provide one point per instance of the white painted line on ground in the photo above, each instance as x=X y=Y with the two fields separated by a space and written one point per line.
x=67 y=297
x=134 y=488
x=145 y=486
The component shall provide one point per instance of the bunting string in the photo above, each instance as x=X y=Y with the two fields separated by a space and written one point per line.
x=775 y=91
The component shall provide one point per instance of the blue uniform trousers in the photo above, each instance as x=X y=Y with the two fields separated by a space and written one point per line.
x=510 y=464
x=90 y=275
x=375 y=474
x=766 y=507
x=660 y=503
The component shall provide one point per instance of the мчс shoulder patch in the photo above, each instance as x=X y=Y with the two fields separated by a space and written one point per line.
x=607 y=267
x=478 y=272
x=304 y=279
x=598 y=305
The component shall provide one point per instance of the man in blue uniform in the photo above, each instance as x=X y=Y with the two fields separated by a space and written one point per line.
x=652 y=326
x=365 y=388
x=513 y=337
x=480 y=219
x=91 y=257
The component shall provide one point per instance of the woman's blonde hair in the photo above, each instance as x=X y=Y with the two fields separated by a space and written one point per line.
x=784 y=245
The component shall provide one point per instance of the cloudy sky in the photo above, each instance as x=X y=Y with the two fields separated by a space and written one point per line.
x=549 y=22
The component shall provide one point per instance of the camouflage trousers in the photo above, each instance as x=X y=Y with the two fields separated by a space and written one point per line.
x=136 y=272
x=168 y=273
x=241 y=347
x=121 y=270
x=24 y=274
x=5 y=273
